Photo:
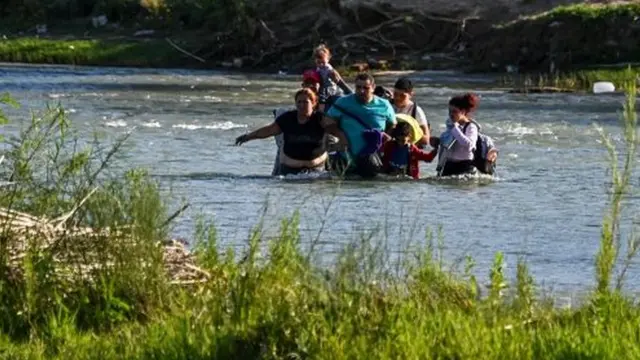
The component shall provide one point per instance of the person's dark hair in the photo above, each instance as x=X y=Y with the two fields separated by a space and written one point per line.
x=467 y=102
x=383 y=92
x=364 y=76
x=402 y=129
x=404 y=84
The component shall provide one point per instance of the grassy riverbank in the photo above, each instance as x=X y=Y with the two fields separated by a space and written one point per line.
x=579 y=80
x=136 y=54
x=141 y=53
x=88 y=279
x=558 y=41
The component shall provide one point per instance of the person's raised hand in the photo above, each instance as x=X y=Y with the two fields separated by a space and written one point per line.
x=242 y=139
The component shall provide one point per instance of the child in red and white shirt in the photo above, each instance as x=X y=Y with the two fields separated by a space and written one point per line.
x=401 y=156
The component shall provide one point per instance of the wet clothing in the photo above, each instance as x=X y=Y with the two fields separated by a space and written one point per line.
x=465 y=142
x=378 y=114
x=302 y=141
x=459 y=144
x=287 y=170
x=458 y=168
x=279 y=142
x=399 y=159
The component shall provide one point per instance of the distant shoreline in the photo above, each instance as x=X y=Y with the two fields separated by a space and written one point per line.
x=551 y=50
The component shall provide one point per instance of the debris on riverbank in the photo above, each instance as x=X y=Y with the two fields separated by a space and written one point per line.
x=540 y=90
x=75 y=249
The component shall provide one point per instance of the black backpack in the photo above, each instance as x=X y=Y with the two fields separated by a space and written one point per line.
x=484 y=143
x=415 y=110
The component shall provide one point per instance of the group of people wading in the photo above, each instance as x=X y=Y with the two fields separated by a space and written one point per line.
x=371 y=130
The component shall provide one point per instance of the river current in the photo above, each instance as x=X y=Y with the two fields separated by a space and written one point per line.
x=546 y=204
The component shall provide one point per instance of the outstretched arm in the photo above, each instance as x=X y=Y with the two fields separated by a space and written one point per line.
x=264 y=132
x=341 y=83
x=388 y=130
x=423 y=155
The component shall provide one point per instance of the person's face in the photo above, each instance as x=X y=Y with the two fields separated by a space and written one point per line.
x=304 y=104
x=455 y=114
x=401 y=97
x=364 y=90
x=322 y=58
x=403 y=140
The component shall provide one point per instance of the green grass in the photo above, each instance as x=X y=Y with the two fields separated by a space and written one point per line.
x=579 y=80
x=578 y=37
x=150 y=53
x=582 y=12
x=593 y=11
x=271 y=300
x=222 y=29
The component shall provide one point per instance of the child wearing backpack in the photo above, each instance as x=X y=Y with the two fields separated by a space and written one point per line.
x=401 y=157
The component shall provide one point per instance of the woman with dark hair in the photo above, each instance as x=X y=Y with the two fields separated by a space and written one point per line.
x=463 y=131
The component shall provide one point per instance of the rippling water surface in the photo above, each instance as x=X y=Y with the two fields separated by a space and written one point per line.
x=546 y=205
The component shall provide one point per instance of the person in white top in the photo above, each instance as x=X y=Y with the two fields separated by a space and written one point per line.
x=403 y=104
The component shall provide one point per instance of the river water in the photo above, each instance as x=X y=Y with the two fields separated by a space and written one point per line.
x=546 y=205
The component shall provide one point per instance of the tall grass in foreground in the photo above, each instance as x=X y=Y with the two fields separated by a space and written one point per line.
x=271 y=301
x=51 y=274
x=610 y=241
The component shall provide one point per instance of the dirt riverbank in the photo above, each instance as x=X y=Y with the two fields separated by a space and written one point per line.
x=469 y=35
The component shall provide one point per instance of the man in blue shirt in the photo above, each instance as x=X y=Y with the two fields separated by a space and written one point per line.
x=374 y=111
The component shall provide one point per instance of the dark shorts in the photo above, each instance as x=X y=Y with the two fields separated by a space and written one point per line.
x=338 y=164
x=365 y=167
x=287 y=170
x=458 y=168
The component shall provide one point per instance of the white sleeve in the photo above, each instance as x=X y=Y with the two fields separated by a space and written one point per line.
x=421 y=116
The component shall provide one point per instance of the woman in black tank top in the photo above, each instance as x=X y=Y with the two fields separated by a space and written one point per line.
x=303 y=130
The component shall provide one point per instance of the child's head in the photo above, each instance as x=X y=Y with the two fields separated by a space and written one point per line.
x=322 y=55
x=402 y=91
x=402 y=133
x=311 y=79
